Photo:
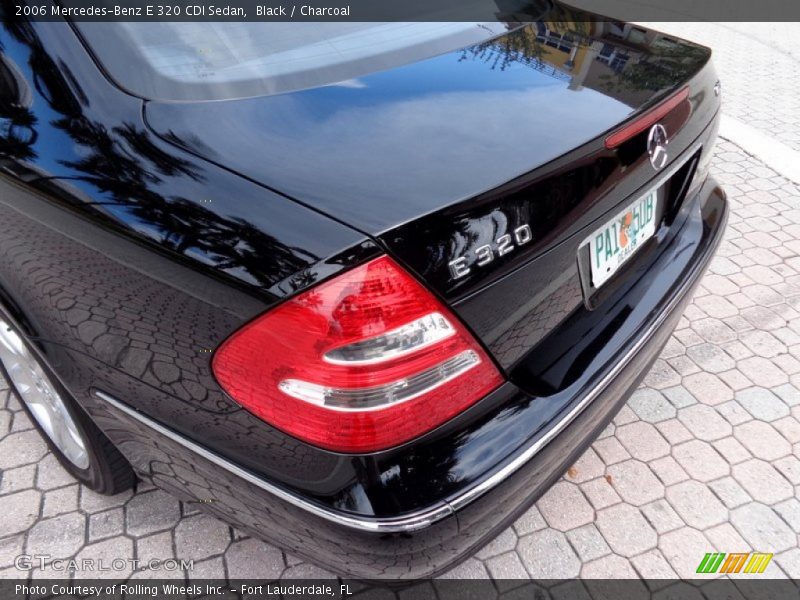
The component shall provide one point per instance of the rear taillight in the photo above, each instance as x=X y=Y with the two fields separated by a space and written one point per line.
x=363 y=362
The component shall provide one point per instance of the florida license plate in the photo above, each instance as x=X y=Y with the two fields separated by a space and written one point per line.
x=616 y=241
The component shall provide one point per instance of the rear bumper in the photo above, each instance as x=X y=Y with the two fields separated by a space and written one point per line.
x=591 y=413
x=430 y=540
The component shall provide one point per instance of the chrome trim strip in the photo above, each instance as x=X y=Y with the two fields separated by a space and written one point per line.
x=496 y=478
x=411 y=522
x=531 y=451
x=426 y=517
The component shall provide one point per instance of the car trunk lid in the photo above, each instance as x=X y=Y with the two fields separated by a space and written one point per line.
x=498 y=145
x=387 y=148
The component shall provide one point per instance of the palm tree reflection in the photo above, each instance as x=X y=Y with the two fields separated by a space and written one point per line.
x=126 y=172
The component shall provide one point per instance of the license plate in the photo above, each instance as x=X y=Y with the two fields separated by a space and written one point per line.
x=616 y=241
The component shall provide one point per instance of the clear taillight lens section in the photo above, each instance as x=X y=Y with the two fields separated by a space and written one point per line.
x=363 y=362
x=381 y=396
x=427 y=330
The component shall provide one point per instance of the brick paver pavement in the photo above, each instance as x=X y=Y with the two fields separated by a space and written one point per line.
x=704 y=457
x=759 y=66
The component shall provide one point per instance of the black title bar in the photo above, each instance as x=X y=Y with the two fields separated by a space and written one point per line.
x=394 y=10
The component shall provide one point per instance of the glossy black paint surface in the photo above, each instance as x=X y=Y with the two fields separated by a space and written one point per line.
x=128 y=259
x=436 y=158
x=513 y=415
x=79 y=138
x=385 y=148
x=536 y=301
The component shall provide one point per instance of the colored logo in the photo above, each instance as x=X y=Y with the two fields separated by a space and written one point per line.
x=625 y=224
x=747 y=562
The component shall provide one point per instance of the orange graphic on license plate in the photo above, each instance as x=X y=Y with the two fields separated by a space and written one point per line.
x=625 y=224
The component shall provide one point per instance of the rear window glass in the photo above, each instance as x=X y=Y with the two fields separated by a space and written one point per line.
x=208 y=61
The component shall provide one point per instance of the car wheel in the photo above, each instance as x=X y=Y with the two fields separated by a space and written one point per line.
x=76 y=441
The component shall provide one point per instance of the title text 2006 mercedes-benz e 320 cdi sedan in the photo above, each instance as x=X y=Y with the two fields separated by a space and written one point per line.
x=362 y=290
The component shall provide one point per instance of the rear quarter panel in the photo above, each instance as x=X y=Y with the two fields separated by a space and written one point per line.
x=128 y=261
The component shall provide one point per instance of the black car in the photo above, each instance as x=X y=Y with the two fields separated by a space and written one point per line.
x=362 y=290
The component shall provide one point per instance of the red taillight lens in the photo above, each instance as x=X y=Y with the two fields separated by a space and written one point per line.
x=363 y=362
x=677 y=100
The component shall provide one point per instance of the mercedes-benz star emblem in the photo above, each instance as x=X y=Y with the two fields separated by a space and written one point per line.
x=657 y=146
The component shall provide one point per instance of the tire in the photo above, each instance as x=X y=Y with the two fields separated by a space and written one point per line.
x=90 y=456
